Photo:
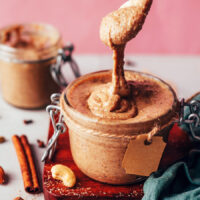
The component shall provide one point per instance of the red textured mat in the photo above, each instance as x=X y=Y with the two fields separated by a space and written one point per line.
x=89 y=189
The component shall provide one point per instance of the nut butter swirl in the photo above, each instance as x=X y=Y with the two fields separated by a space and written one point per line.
x=115 y=100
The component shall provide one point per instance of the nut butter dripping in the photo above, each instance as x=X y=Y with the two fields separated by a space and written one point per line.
x=115 y=100
x=119 y=83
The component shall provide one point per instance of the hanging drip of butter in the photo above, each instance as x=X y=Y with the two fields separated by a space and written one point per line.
x=114 y=100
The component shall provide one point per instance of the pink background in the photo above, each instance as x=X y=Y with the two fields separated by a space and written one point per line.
x=173 y=26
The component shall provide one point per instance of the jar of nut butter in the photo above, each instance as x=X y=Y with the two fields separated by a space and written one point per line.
x=27 y=52
x=99 y=140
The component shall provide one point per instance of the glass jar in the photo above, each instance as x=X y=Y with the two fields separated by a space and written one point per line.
x=27 y=52
x=98 y=145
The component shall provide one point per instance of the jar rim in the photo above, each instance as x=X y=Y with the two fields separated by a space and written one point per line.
x=68 y=111
x=12 y=54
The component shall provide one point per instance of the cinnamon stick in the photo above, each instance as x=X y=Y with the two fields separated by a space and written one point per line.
x=25 y=158
x=29 y=154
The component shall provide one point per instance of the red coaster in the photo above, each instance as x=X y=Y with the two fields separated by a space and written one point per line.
x=89 y=189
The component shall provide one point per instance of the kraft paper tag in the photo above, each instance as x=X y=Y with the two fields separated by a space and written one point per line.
x=141 y=159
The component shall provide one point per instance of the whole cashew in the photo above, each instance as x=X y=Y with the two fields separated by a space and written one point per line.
x=65 y=174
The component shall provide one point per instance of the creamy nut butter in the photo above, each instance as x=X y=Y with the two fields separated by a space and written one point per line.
x=26 y=54
x=105 y=110
x=152 y=98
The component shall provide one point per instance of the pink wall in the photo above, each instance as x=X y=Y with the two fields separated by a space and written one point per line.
x=172 y=26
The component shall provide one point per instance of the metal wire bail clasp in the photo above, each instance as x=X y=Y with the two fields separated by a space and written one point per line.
x=64 y=56
x=58 y=125
x=192 y=117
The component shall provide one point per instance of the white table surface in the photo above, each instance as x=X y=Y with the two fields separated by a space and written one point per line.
x=182 y=72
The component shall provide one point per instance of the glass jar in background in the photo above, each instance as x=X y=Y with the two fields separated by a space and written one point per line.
x=27 y=52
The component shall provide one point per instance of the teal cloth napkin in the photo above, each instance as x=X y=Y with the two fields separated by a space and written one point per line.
x=181 y=181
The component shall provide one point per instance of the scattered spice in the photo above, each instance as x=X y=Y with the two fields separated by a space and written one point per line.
x=130 y=63
x=29 y=121
x=18 y=198
x=2 y=139
x=2 y=176
x=40 y=144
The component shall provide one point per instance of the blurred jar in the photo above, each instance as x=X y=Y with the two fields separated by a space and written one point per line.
x=27 y=52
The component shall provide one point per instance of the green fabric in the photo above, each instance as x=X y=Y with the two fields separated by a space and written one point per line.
x=181 y=181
